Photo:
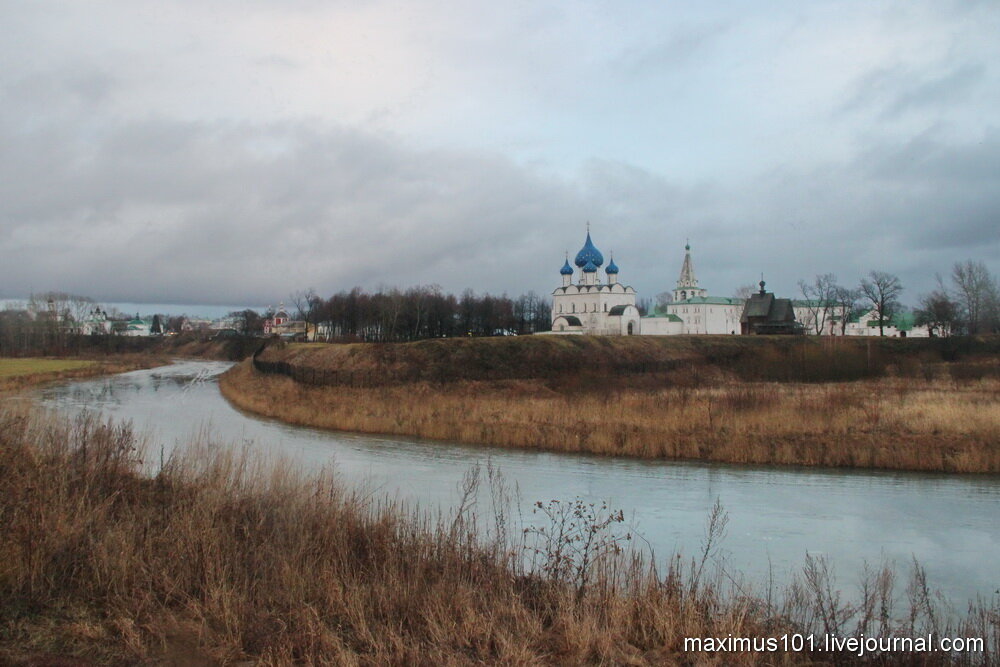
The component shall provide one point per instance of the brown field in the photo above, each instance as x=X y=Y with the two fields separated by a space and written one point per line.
x=936 y=420
x=218 y=560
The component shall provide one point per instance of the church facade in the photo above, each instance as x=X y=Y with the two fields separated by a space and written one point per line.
x=585 y=304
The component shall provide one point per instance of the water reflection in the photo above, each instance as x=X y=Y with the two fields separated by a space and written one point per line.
x=777 y=515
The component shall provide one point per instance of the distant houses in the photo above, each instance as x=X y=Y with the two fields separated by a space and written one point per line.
x=281 y=324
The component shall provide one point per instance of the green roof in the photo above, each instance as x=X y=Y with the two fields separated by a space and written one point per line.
x=902 y=321
x=712 y=300
x=670 y=316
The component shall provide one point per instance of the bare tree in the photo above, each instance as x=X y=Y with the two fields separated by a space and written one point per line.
x=975 y=293
x=308 y=304
x=848 y=306
x=938 y=312
x=419 y=299
x=66 y=310
x=664 y=299
x=744 y=292
x=820 y=299
x=882 y=290
x=248 y=322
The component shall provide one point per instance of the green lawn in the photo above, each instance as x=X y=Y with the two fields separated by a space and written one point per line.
x=10 y=368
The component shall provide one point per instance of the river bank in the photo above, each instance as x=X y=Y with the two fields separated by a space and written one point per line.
x=218 y=559
x=698 y=400
x=101 y=356
x=20 y=374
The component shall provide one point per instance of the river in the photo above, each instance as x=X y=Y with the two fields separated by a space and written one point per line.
x=950 y=523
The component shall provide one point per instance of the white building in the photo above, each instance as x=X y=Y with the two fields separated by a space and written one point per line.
x=588 y=306
x=137 y=326
x=693 y=311
x=95 y=323
x=900 y=325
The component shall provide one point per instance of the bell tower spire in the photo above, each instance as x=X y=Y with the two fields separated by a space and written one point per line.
x=687 y=283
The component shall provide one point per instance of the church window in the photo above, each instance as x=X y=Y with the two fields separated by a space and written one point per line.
x=560 y=307
x=574 y=308
x=605 y=308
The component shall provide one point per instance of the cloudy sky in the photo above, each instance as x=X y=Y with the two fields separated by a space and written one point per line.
x=233 y=151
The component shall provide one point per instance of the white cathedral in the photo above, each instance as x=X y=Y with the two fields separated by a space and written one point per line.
x=590 y=306
x=585 y=305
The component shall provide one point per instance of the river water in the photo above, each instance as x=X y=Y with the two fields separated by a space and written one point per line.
x=950 y=523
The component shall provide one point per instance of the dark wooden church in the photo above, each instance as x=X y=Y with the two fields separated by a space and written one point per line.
x=765 y=314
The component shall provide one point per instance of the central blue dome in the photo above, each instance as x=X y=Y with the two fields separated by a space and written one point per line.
x=589 y=254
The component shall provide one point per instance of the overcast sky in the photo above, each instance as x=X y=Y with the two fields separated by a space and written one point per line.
x=234 y=151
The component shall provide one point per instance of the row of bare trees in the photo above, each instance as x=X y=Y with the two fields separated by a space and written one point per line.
x=56 y=323
x=425 y=311
x=969 y=305
x=832 y=306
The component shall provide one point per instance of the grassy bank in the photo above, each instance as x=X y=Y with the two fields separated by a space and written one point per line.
x=217 y=560
x=916 y=413
x=18 y=374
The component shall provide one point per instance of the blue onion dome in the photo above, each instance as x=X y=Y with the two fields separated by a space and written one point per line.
x=590 y=267
x=588 y=253
x=612 y=267
x=566 y=269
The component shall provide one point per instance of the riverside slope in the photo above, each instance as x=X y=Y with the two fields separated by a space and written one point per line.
x=868 y=403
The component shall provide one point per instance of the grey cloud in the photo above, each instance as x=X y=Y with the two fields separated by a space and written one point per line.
x=223 y=213
x=942 y=90
x=679 y=48
x=198 y=212
x=899 y=90
x=105 y=193
x=929 y=158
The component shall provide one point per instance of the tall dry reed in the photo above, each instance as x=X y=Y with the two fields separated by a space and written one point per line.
x=941 y=424
x=219 y=559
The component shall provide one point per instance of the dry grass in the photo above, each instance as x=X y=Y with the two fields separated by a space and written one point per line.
x=937 y=424
x=569 y=358
x=216 y=560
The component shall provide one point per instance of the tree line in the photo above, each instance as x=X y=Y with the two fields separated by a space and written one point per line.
x=396 y=315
